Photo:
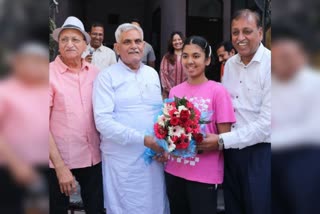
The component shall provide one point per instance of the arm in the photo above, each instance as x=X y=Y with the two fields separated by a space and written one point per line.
x=22 y=172
x=164 y=77
x=256 y=131
x=66 y=180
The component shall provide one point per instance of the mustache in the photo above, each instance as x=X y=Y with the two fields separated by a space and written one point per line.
x=134 y=51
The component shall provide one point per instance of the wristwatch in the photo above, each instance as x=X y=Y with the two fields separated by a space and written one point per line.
x=220 y=143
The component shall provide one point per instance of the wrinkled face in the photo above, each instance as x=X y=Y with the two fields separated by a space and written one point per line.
x=246 y=37
x=71 y=44
x=130 y=48
x=224 y=55
x=97 y=35
x=194 y=60
x=177 y=42
x=287 y=58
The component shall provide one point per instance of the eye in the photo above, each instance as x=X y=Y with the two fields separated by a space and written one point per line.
x=126 y=42
x=247 y=32
x=235 y=33
x=75 y=40
x=184 y=56
x=138 y=41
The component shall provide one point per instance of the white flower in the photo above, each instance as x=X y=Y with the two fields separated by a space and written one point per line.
x=181 y=108
x=161 y=119
x=167 y=107
x=171 y=147
x=176 y=131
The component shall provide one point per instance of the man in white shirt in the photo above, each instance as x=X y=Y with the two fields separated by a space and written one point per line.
x=125 y=100
x=247 y=148
x=96 y=53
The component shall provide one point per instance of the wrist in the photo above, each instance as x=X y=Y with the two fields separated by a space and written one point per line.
x=220 y=143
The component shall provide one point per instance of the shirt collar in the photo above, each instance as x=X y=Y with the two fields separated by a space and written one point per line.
x=64 y=68
x=257 y=56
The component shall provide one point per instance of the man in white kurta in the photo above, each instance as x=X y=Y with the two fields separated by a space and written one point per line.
x=125 y=100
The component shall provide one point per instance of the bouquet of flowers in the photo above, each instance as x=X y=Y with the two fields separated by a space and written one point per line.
x=178 y=128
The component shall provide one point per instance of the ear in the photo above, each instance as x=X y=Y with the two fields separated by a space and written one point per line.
x=208 y=61
x=261 y=33
x=232 y=52
x=116 y=48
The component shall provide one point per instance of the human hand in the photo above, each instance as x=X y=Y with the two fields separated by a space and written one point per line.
x=162 y=158
x=24 y=174
x=209 y=143
x=88 y=58
x=66 y=180
x=150 y=142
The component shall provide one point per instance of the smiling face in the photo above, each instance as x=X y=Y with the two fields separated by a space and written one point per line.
x=224 y=55
x=246 y=36
x=71 y=44
x=130 y=48
x=177 y=42
x=194 y=60
x=97 y=36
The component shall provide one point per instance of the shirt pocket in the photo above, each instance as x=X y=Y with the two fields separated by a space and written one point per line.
x=152 y=92
x=255 y=96
x=60 y=103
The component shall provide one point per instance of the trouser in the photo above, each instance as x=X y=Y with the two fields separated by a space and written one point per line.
x=90 y=181
x=295 y=180
x=247 y=180
x=189 y=197
x=16 y=198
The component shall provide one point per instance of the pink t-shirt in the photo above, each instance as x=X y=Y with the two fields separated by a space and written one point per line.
x=24 y=124
x=71 y=117
x=208 y=166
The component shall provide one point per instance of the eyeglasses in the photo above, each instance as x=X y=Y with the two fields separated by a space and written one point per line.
x=74 y=40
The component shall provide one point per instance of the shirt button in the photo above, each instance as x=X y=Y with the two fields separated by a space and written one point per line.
x=232 y=126
x=237 y=97
x=240 y=81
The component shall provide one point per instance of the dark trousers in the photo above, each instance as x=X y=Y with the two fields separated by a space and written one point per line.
x=247 y=180
x=188 y=197
x=296 y=180
x=90 y=181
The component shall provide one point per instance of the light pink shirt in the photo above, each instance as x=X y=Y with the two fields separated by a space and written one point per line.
x=24 y=125
x=71 y=120
x=208 y=166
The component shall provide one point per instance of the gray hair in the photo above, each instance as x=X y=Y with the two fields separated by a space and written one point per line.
x=126 y=27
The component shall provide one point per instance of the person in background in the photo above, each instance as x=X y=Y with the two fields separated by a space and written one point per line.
x=24 y=128
x=96 y=53
x=74 y=141
x=149 y=57
x=247 y=148
x=125 y=97
x=191 y=184
x=171 y=70
x=224 y=51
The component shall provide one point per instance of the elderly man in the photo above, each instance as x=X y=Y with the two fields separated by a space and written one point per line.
x=125 y=98
x=96 y=53
x=74 y=140
x=247 y=148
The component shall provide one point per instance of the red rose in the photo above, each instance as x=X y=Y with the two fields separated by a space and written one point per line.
x=198 y=137
x=182 y=142
x=184 y=115
x=174 y=121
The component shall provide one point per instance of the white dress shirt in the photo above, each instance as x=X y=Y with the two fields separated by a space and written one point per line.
x=295 y=110
x=125 y=103
x=102 y=57
x=250 y=89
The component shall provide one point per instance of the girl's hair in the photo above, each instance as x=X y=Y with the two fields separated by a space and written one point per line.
x=201 y=42
x=170 y=56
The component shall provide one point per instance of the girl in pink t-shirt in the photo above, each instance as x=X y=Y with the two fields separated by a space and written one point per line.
x=191 y=183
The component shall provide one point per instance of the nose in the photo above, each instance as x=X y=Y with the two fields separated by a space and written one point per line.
x=220 y=59
x=241 y=36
